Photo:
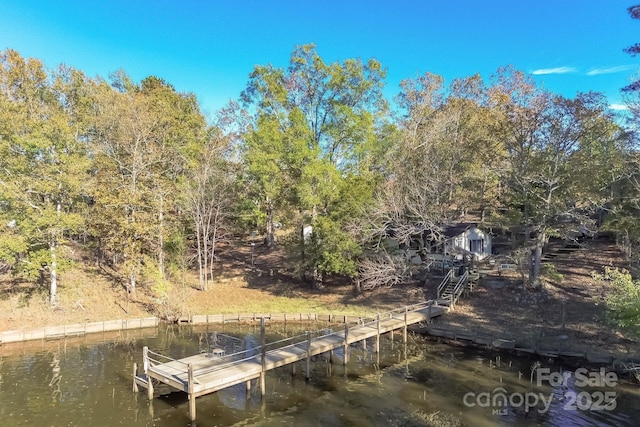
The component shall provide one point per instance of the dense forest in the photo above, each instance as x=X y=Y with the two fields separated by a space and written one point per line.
x=134 y=175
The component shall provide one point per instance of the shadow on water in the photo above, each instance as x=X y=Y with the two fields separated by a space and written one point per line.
x=83 y=382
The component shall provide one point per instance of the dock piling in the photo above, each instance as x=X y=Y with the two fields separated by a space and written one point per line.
x=145 y=359
x=135 y=373
x=404 y=328
x=263 y=344
x=145 y=366
x=378 y=334
x=345 y=358
x=307 y=374
x=149 y=388
x=192 y=397
x=180 y=374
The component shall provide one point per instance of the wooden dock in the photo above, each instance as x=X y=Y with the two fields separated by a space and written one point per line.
x=209 y=372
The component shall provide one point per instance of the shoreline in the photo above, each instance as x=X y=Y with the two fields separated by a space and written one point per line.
x=501 y=344
x=434 y=331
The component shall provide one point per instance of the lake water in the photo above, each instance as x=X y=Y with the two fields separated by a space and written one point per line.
x=88 y=382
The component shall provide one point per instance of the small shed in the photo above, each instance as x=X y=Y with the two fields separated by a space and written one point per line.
x=467 y=239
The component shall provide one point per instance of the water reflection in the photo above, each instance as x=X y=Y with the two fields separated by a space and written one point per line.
x=54 y=383
x=80 y=382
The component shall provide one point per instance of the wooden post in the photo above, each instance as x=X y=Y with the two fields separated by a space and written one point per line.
x=135 y=372
x=248 y=387
x=293 y=369
x=192 y=397
x=149 y=388
x=262 y=340
x=429 y=310
x=404 y=330
x=145 y=359
x=145 y=367
x=378 y=334
x=564 y=313
x=264 y=351
x=307 y=374
x=345 y=349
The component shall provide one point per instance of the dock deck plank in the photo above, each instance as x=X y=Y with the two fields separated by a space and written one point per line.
x=212 y=374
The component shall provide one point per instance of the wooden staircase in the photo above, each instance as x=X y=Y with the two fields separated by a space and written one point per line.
x=445 y=289
x=452 y=287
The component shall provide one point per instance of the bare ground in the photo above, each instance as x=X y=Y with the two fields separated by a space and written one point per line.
x=499 y=305
x=90 y=293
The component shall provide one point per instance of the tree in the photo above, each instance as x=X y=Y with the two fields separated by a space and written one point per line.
x=419 y=198
x=621 y=198
x=623 y=301
x=179 y=134
x=327 y=117
x=275 y=158
x=208 y=199
x=633 y=50
x=550 y=140
x=42 y=181
x=142 y=141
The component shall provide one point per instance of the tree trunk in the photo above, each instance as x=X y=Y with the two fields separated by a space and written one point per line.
x=53 y=269
x=317 y=280
x=270 y=236
x=212 y=249
x=161 y=239
x=205 y=257
x=53 y=292
x=201 y=270
x=537 y=259
x=132 y=280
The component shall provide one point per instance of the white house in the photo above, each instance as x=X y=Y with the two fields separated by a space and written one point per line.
x=467 y=239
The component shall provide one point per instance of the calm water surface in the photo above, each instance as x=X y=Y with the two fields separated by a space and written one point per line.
x=88 y=382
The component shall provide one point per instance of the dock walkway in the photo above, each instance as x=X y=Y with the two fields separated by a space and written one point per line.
x=206 y=373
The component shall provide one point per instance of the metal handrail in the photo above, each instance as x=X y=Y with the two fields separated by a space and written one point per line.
x=444 y=283
x=162 y=356
x=460 y=285
x=302 y=337
x=296 y=340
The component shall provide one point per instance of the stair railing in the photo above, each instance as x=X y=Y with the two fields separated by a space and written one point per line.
x=444 y=283
x=459 y=288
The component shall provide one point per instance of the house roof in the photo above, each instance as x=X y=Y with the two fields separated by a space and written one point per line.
x=457 y=229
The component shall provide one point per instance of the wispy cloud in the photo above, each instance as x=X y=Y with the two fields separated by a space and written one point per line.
x=610 y=70
x=557 y=70
x=618 y=107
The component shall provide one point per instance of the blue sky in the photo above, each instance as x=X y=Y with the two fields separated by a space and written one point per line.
x=210 y=47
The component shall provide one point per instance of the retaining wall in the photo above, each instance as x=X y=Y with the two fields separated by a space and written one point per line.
x=78 y=329
x=542 y=347
x=201 y=319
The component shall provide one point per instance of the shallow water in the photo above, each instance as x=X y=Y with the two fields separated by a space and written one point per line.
x=88 y=382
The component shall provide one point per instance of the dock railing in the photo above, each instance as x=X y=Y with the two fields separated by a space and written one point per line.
x=301 y=340
x=190 y=374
